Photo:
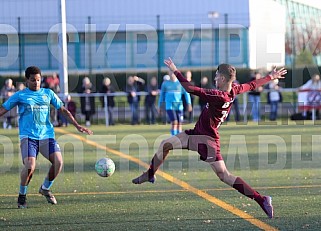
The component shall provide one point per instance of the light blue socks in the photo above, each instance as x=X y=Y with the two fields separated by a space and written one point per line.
x=47 y=184
x=23 y=190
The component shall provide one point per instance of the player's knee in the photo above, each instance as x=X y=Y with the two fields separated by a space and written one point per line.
x=58 y=163
x=56 y=160
x=224 y=176
x=166 y=146
x=30 y=166
x=221 y=176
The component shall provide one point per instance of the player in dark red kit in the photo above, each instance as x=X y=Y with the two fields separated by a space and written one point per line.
x=204 y=138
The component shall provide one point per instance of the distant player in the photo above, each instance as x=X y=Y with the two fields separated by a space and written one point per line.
x=204 y=138
x=171 y=95
x=36 y=132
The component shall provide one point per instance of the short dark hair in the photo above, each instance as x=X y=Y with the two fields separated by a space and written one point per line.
x=32 y=70
x=227 y=70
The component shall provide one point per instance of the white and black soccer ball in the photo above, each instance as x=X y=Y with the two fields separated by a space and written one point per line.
x=105 y=167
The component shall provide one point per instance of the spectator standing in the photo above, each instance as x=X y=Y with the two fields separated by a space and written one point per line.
x=188 y=114
x=313 y=87
x=87 y=101
x=8 y=90
x=235 y=107
x=150 y=99
x=274 y=97
x=20 y=86
x=255 y=98
x=162 y=108
x=108 y=88
x=52 y=82
x=71 y=107
x=134 y=85
x=206 y=85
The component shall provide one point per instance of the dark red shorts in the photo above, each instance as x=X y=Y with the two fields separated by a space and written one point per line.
x=206 y=146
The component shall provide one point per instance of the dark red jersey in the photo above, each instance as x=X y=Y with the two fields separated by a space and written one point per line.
x=218 y=104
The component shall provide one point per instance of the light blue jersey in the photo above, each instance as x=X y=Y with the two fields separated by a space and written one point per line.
x=171 y=94
x=34 y=112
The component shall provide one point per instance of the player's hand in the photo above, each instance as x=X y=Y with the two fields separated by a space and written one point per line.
x=278 y=74
x=170 y=64
x=84 y=130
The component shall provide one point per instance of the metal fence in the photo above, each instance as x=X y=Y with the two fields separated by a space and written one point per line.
x=122 y=111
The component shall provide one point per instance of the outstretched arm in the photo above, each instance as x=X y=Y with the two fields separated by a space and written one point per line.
x=73 y=121
x=185 y=83
x=250 y=86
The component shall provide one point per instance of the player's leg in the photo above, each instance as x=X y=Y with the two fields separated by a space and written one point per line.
x=29 y=150
x=172 y=117
x=179 y=141
x=25 y=177
x=51 y=151
x=180 y=119
x=241 y=186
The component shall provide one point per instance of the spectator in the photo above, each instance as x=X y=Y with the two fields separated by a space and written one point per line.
x=87 y=101
x=313 y=88
x=274 y=96
x=206 y=85
x=255 y=98
x=20 y=86
x=235 y=107
x=134 y=85
x=188 y=114
x=106 y=89
x=162 y=108
x=8 y=90
x=52 y=82
x=150 y=108
x=71 y=107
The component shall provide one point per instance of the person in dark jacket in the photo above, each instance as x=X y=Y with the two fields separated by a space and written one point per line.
x=87 y=102
x=134 y=85
x=108 y=88
x=150 y=99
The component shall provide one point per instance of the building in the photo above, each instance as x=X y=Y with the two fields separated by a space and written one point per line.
x=126 y=35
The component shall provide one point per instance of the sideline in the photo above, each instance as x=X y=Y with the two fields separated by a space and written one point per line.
x=183 y=184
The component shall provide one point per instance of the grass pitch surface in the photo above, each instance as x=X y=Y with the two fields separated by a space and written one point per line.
x=280 y=160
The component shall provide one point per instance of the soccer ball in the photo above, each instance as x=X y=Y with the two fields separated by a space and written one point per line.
x=105 y=167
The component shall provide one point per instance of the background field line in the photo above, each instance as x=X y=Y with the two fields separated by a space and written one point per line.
x=163 y=191
x=181 y=183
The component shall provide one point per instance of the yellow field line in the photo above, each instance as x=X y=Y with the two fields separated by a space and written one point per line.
x=162 y=191
x=181 y=183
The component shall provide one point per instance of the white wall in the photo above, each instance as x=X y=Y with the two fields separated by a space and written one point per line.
x=266 y=34
x=40 y=15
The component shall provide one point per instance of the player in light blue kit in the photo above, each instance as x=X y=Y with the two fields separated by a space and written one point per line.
x=36 y=132
x=171 y=94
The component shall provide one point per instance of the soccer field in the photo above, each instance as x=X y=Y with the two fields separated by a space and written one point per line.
x=283 y=161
